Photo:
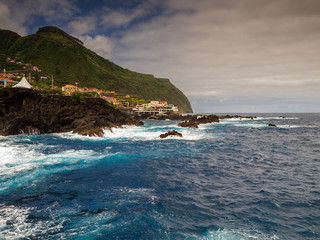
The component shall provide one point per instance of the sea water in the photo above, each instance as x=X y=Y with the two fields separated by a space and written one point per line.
x=237 y=179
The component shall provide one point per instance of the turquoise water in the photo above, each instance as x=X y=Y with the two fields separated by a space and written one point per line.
x=237 y=179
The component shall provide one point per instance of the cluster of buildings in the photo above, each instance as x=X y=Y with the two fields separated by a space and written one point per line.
x=124 y=102
x=156 y=108
x=25 y=66
x=69 y=89
x=11 y=79
x=6 y=79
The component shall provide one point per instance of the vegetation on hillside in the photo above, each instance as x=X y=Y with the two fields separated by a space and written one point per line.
x=8 y=38
x=59 y=54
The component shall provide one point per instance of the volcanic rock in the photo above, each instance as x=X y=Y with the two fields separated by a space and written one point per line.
x=171 y=133
x=199 y=119
x=25 y=111
x=189 y=124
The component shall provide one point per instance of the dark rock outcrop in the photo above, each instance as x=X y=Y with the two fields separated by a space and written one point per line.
x=198 y=119
x=189 y=124
x=171 y=133
x=25 y=111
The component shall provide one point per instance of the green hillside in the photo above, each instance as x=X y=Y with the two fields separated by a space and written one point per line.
x=55 y=52
x=7 y=39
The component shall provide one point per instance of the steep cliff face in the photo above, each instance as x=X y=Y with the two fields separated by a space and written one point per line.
x=26 y=111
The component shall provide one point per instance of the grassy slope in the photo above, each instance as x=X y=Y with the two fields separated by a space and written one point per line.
x=57 y=53
x=8 y=38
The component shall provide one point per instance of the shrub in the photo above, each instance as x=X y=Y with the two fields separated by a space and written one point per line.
x=78 y=97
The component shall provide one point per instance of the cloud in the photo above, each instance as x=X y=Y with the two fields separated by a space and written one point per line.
x=7 y=20
x=106 y=18
x=83 y=25
x=248 y=48
x=100 y=44
x=112 y=18
x=18 y=15
x=103 y=19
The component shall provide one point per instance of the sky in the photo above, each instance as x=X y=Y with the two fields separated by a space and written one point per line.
x=225 y=55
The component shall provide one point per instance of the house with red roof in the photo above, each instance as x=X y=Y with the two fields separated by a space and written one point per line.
x=5 y=82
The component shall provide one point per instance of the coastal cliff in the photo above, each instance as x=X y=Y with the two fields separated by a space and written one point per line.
x=65 y=57
x=25 y=111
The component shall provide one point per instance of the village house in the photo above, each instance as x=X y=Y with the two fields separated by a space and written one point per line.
x=69 y=89
x=5 y=79
x=35 y=68
x=111 y=100
x=9 y=60
x=156 y=108
x=109 y=93
x=98 y=91
x=122 y=104
x=6 y=82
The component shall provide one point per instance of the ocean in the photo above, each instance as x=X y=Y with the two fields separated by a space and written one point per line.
x=237 y=179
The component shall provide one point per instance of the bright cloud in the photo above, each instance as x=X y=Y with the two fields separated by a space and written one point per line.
x=100 y=44
x=83 y=25
x=7 y=20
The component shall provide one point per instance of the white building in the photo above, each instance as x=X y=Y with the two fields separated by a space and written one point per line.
x=156 y=108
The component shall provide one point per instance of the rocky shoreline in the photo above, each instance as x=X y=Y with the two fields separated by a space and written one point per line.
x=25 y=111
x=194 y=120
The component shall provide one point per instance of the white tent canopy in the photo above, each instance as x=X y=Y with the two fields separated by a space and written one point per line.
x=23 y=83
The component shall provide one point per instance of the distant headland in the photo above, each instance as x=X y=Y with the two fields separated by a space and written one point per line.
x=51 y=53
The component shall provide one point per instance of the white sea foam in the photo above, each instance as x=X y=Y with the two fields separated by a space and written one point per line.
x=70 y=135
x=237 y=235
x=144 y=133
x=250 y=125
x=276 y=118
x=14 y=223
x=21 y=164
x=152 y=133
x=265 y=125
x=241 y=123
x=232 y=119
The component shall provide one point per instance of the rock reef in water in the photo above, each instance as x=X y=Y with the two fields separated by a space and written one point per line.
x=25 y=111
x=171 y=133
x=193 y=121
x=196 y=120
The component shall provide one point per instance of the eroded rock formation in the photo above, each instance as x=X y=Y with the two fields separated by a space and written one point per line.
x=25 y=111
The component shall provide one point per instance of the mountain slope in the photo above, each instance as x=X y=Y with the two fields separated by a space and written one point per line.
x=7 y=39
x=55 y=52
